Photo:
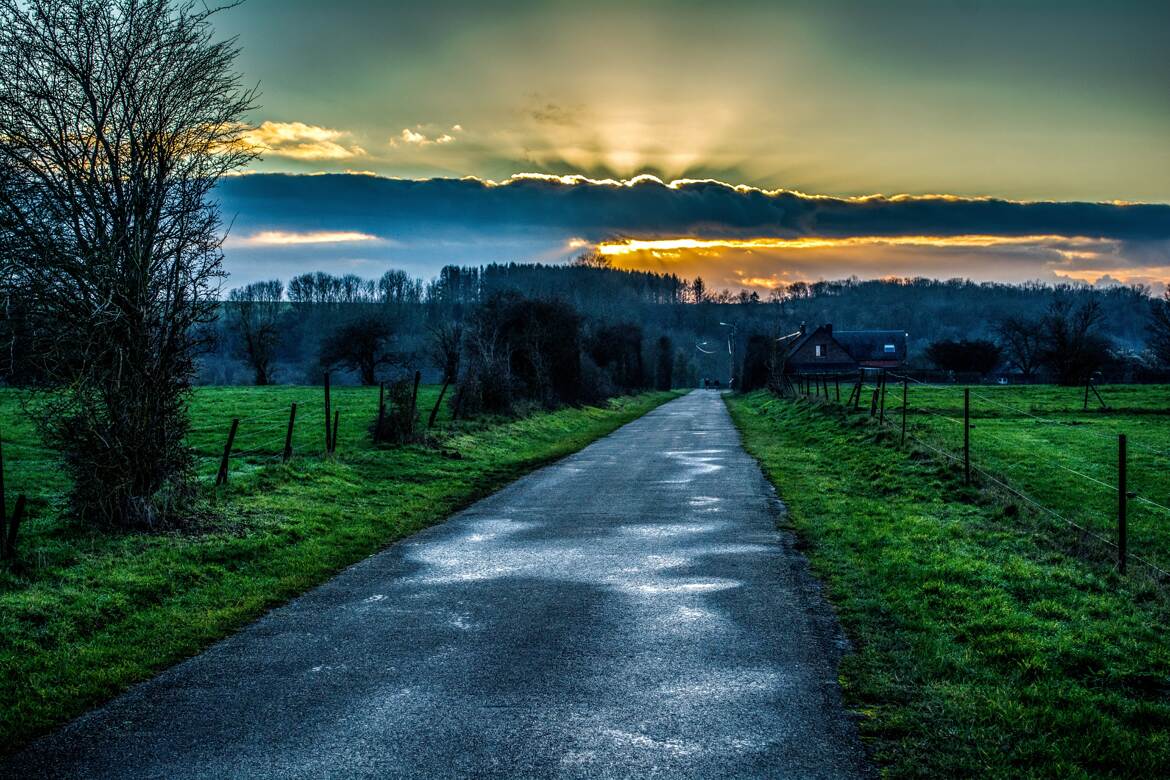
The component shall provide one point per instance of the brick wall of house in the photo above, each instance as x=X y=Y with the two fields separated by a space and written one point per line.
x=832 y=352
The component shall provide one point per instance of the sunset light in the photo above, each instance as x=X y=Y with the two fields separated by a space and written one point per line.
x=549 y=390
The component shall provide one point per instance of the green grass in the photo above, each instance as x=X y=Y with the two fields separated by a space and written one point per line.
x=982 y=647
x=1042 y=442
x=84 y=614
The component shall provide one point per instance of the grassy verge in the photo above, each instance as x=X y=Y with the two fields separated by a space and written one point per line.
x=1042 y=440
x=83 y=615
x=981 y=649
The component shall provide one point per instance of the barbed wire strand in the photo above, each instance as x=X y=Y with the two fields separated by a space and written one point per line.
x=1081 y=427
x=1048 y=510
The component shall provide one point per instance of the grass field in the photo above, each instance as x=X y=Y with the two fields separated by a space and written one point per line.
x=983 y=645
x=85 y=614
x=1040 y=440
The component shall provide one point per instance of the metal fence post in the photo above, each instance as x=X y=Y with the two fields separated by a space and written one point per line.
x=221 y=477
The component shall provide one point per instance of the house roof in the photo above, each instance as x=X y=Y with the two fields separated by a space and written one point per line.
x=870 y=345
x=865 y=347
x=801 y=341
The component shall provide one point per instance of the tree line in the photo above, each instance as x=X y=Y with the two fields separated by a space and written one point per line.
x=370 y=328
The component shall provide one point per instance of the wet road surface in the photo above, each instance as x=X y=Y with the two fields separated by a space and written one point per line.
x=629 y=611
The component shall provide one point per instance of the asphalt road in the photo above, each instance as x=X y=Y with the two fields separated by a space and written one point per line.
x=630 y=611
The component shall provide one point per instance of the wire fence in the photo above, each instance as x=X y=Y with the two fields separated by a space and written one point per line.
x=318 y=423
x=1107 y=486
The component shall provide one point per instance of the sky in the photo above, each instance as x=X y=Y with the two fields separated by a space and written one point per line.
x=754 y=143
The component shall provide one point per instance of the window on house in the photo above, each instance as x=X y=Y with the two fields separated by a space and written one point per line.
x=820 y=350
x=891 y=348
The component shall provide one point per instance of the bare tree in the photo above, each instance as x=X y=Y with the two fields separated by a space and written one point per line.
x=446 y=347
x=398 y=288
x=116 y=120
x=1160 y=327
x=254 y=313
x=362 y=345
x=1022 y=342
x=1071 y=345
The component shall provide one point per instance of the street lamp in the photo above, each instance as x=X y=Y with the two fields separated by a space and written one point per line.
x=730 y=352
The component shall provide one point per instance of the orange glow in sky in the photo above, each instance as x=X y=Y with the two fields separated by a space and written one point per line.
x=667 y=245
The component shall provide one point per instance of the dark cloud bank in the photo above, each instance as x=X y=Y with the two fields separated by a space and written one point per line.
x=393 y=208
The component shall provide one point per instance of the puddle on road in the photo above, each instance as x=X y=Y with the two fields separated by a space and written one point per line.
x=630 y=739
x=653 y=530
x=696 y=463
x=706 y=585
x=731 y=682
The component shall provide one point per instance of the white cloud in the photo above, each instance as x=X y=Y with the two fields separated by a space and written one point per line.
x=300 y=141
x=417 y=137
x=286 y=238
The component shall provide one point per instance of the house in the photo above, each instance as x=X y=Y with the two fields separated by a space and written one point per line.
x=827 y=351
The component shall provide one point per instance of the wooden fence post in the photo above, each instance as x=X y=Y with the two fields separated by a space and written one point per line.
x=1097 y=393
x=3 y=505
x=381 y=411
x=905 y=393
x=414 y=399
x=882 y=418
x=1122 y=503
x=328 y=418
x=837 y=384
x=967 y=435
x=292 y=417
x=13 y=526
x=333 y=444
x=221 y=478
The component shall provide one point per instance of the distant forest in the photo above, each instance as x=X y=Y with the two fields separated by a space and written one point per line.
x=373 y=330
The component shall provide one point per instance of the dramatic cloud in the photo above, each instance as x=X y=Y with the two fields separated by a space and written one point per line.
x=1027 y=100
x=734 y=235
x=417 y=137
x=647 y=208
x=299 y=141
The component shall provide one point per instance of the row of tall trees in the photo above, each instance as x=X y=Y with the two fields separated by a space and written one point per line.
x=1012 y=318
